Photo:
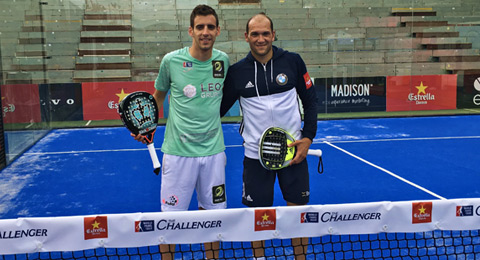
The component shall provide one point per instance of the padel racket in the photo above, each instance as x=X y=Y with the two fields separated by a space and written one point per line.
x=139 y=113
x=274 y=152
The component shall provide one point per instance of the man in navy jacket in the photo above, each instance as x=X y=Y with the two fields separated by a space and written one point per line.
x=267 y=83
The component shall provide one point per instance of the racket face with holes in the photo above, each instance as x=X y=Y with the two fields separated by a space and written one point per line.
x=273 y=151
x=139 y=113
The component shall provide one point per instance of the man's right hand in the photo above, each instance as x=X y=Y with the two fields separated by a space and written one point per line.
x=139 y=138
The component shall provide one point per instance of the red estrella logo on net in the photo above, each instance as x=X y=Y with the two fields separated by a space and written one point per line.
x=265 y=219
x=422 y=212
x=95 y=227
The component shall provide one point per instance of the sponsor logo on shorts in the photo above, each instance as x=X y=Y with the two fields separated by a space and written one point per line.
x=144 y=226
x=171 y=201
x=218 y=193
x=421 y=212
x=95 y=227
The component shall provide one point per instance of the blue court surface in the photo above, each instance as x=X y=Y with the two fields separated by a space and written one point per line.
x=104 y=171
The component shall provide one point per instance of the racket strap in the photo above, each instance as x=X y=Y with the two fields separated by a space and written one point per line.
x=320 y=165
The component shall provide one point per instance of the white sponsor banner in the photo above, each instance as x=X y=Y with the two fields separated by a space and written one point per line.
x=29 y=235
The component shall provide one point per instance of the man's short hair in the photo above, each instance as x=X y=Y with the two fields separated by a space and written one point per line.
x=202 y=10
x=263 y=14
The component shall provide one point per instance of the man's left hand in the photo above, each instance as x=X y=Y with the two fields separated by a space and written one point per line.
x=302 y=147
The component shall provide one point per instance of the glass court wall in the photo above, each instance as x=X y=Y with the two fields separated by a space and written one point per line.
x=68 y=63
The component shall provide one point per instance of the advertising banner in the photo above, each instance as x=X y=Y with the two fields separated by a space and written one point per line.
x=430 y=92
x=101 y=99
x=350 y=94
x=468 y=95
x=48 y=234
x=20 y=103
x=61 y=102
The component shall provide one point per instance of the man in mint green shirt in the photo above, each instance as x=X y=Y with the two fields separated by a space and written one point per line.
x=194 y=151
x=194 y=126
x=193 y=146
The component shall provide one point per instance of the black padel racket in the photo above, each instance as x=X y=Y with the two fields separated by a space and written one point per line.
x=139 y=113
x=274 y=152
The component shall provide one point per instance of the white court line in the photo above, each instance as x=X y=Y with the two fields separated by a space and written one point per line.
x=401 y=139
x=388 y=172
x=87 y=151
x=106 y=151
x=326 y=142
x=240 y=145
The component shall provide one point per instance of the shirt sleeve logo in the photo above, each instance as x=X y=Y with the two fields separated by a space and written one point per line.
x=218 y=71
x=308 y=80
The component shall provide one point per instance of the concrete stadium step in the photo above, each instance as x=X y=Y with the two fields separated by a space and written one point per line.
x=156 y=24
x=351 y=70
x=49 y=63
x=104 y=59
x=442 y=46
x=107 y=16
x=424 y=23
x=413 y=11
x=435 y=34
x=408 y=56
x=459 y=52
x=103 y=62
x=49 y=37
x=460 y=66
x=155 y=48
x=105 y=36
x=101 y=75
x=156 y=36
x=470 y=58
x=39 y=77
x=104 y=46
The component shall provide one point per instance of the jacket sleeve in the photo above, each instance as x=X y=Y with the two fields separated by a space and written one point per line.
x=308 y=96
x=230 y=94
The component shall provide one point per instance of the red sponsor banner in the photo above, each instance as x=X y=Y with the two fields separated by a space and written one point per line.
x=431 y=92
x=95 y=227
x=265 y=219
x=422 y=212
x=101 y=99
x=21 y=103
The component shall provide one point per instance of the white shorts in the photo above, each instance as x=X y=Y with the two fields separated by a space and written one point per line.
x=182 y=175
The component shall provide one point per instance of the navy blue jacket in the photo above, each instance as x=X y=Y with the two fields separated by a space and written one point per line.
x=268 y=96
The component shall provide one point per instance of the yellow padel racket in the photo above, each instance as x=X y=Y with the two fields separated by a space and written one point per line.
x=274 y=152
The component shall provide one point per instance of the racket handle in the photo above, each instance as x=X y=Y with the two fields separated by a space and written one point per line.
x=315 y=152
x=153 y=155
